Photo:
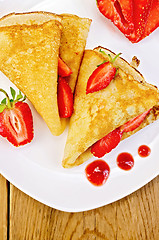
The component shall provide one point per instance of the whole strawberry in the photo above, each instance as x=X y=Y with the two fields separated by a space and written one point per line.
x=16 y=121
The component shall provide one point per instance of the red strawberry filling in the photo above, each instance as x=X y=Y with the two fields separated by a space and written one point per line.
x=64 y=92
x=112 y=139
x=107 y=143
x=64 y=98
x=63 y=69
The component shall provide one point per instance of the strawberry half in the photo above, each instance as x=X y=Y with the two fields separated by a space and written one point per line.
x=63 y=69
x=107 y=143
x=64 y=98
x=134 y=123
x=16 y=121
x=102 y=75
x=140 y=16
x=119 y=12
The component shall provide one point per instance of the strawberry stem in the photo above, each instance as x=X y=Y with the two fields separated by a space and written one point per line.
x=8 y=100
x=113 y=60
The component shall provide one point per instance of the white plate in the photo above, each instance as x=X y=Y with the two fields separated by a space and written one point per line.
x=36 y=168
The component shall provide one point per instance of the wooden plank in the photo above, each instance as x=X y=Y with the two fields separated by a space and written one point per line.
x=30 y=219
x=134 y=217
x=3 y=208
x=138 y=214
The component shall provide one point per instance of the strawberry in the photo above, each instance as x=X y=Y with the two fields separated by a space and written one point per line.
x=153 y=19
x=119 y=12
x=140 y=16
x=107 y=143
x=102 y=76
x=136 y=19
x=63 y=69
x=16 y=121
x=65 y=98
x=134 y=123
x=112 y=139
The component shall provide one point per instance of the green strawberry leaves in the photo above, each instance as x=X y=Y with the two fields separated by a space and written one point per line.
x=2 y=107
x=12 y=92
x=19 y=96
x=4 y=101
x=101 y=63
x=9 y=103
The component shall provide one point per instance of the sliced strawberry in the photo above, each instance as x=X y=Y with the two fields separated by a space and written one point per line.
x=140 y=16
x=153 y=19
x=119 y=12
x=63 y=69
x=112 y=139
x=65 y=98
x=107 y=143
x=101 y=77
x=134 y=123
x=16 y=123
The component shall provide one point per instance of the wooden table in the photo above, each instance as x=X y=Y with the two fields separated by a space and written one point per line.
x=134 y=217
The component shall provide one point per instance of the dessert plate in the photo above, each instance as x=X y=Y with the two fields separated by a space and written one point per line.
x=36 y=168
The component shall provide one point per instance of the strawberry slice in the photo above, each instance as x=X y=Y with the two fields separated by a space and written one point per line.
x=119 y=12
x=63 y=69
x=112 y=139
x=101 y=77
x=107 y=143
x=153 y=19
x=140 y=16
x=16 y=121
x=64 y=98
x=134 y=123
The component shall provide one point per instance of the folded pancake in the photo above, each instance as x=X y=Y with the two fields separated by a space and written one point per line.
x=73 y=39
x=97 y=114
x=29 y=58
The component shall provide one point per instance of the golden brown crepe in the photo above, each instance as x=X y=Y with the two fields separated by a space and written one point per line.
x=73 y=42
x=73 y=39
x=96 y=114
x=29 y=58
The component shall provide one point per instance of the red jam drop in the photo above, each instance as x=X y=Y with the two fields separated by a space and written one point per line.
x=125 y=161
x=144 y=151
x=97 y=172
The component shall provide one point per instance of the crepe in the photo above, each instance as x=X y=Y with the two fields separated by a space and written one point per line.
x=73 y=42
x=97 y=114
x=29 y=58
x=73 y=39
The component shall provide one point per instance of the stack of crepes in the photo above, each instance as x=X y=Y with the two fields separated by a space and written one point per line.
x=30 y=47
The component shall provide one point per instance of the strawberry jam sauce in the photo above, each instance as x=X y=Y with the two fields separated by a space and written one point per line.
x=97 y=172
x=144 y=151
x=125 y=161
